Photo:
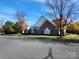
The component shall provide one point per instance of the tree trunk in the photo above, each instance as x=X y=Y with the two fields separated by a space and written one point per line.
x=61 y=26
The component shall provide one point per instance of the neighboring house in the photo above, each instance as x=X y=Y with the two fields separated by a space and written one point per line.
x=63 y=24
x=44 y=27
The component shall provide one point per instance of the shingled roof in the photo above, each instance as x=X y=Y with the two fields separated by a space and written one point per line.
x=41 y=21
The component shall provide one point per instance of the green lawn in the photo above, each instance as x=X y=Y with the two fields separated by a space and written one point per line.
x=69 y=38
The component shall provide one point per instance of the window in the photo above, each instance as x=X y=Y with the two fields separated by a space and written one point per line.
x=47 y=31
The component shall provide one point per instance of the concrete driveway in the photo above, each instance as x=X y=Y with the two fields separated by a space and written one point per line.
x=34 y=49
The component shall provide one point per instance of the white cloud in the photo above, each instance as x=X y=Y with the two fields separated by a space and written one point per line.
x=5 y=18
x=40 y=1
x=2 y=19
x=7 y=14
x=7 y=10
x=74 y=0
x=20 y=3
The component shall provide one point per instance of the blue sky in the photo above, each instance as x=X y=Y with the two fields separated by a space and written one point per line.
x=33 y=9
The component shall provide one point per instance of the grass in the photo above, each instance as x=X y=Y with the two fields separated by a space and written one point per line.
x=67 y=38
x=72 y=36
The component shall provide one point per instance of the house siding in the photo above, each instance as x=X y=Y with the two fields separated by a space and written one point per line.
x=50 y=26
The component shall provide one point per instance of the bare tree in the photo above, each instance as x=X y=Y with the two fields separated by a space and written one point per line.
x=1 y=21
x=21 y=24
x=20 y=15
x=65 y=11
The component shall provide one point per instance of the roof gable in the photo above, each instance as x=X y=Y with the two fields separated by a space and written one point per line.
x=48 y=24
x=40 y=22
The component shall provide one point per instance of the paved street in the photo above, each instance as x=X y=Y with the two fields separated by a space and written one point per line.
x=34 y=49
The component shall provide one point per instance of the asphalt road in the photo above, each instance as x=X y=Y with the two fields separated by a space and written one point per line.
x=34 y=49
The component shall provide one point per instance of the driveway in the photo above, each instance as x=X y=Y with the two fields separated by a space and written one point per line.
x=35 y=49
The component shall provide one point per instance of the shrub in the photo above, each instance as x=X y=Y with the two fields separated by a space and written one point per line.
x=73 y=28
x=9 y=28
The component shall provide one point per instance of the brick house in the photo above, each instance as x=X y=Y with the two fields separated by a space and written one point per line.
x=43 y=27
x=48 y=28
